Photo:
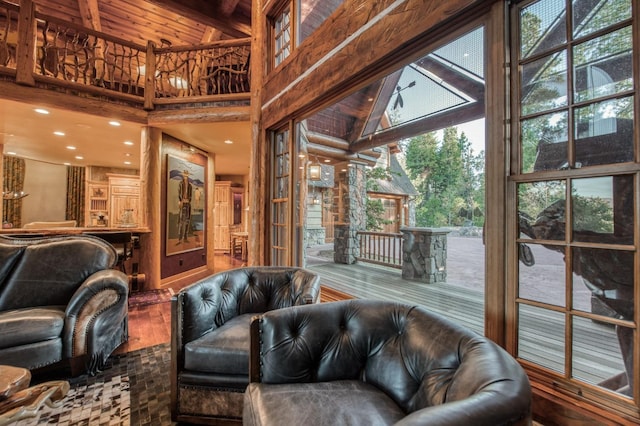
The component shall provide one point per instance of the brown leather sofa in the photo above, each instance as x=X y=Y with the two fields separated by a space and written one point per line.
x=60 y=302
x=365 y=362
x=210 y=336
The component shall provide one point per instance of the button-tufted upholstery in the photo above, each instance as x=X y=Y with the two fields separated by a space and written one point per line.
x=210 y=336
x=60 y=300
x=365 y=362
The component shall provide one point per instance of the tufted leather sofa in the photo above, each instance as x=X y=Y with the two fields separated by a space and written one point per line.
x=60 y=302
x=210 y=336
x=365 y=362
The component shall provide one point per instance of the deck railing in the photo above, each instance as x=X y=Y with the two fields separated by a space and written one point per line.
x=37 y=49
x=382 y=248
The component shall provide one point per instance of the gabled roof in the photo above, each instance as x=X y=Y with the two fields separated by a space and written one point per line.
x=399 y=183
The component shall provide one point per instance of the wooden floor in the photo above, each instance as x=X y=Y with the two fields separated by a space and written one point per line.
x=151 y=324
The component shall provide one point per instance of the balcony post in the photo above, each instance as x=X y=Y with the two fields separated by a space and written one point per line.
x=26 y=45
x=150 y=76
x=424 y=254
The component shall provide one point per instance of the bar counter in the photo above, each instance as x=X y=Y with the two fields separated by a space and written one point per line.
x=72 y=230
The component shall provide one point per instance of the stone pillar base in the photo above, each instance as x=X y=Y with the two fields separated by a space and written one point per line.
x=424 y=254
x=345 y=245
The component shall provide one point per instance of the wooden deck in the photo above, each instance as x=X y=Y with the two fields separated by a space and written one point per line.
x=364 y=280
x=596 y=351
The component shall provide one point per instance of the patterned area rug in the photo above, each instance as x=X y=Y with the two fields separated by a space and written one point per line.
x=134 y=389
x=150 y=297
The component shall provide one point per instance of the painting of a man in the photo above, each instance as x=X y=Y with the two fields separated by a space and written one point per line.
x=185 y=206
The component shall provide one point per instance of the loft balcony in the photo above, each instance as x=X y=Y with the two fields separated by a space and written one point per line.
x=42 y=51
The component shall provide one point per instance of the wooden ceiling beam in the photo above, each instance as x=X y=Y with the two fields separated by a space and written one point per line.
x=431 y=123
x=321 y=152
x=198 y=116
x=90 y=14
x=227 y=7
x=211 y=13
x=460 y=81
x=371 y=123
x=210 y=35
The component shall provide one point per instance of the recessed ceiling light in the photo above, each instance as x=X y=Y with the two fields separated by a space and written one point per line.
x=79 y=157
x=66 y=164
x=127 y=162
x=128 y=143
x=327 y=160
x=228 y=142
x=11 y=153
x=114 y=123
x=127 y=155
x=41 y=111
x=71 y=147
x=58 y=133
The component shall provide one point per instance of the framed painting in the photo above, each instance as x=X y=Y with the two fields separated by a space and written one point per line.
x=185 y=206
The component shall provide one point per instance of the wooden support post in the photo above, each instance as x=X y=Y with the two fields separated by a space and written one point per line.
x=150 y=77
x=26 y=47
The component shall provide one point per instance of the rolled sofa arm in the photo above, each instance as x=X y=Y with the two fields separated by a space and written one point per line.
x=482 y=409
x=96 y=318
x=307 y=284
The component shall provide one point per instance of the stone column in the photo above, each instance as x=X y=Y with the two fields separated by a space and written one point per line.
x=424 y=254
x=351 y=184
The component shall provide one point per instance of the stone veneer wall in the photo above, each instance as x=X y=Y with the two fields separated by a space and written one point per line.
x=315 y=236
x=346 y=248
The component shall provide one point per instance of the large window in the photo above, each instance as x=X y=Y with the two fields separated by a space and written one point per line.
x=280 y=198
x=287 y=33
x=281 y=40
x=575 y=183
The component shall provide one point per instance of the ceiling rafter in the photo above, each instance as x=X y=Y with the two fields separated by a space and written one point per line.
x=212 y=13
x=461 y=81
x=383 y=97
x=449 y=118
x=210 y=35
x=90 y=14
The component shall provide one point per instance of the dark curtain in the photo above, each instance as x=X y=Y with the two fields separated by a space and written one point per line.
x=75 y=194
x=14 y=170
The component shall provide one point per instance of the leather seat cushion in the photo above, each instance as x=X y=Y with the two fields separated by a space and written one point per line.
x=342 y=402
x=224 y=350
x=30 y=325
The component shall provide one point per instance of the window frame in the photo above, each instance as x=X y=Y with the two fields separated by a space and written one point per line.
x=276 y=13
x=565 y=382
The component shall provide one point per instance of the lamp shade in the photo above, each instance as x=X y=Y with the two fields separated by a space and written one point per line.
x=315 y=172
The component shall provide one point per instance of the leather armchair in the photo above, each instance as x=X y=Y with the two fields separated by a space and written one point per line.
x=365 y=362
x=60 y=302
x=210 y=336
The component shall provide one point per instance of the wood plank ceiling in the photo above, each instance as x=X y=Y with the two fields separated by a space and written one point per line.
x=181 y=23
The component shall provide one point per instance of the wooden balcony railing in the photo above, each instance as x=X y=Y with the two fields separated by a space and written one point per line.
x=9 y=15
x=37 y=49
x=382 y=248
